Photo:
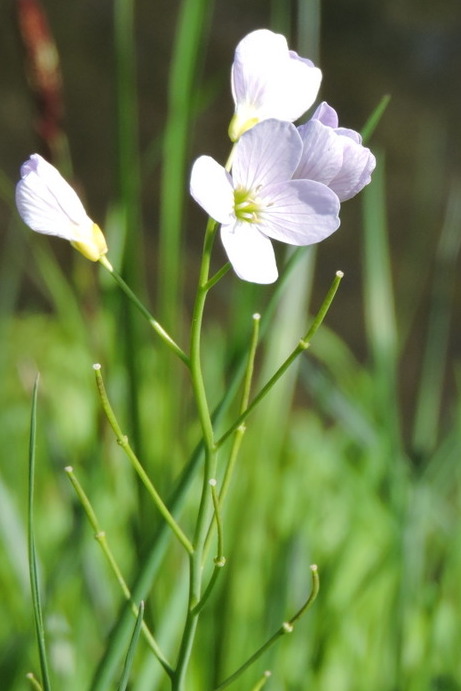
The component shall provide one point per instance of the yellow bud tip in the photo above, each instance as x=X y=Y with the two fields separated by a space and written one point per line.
x=94 y=246
x=239 y=125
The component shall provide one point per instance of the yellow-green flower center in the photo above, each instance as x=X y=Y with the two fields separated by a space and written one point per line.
x=246 y=205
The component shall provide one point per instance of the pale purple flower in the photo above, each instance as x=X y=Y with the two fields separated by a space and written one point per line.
x=259 y=201
x=270 y=81
x=334 y=155
x=49 y=205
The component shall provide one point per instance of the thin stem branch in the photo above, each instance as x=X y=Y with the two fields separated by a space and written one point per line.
x=158 y=328
x=34 y=682
x=262 y=681
x=220 y=559
x=100 y=537
x=240 y=431
x=303 y=345
x=122 y=440
x=217 y=277
x=286 y=627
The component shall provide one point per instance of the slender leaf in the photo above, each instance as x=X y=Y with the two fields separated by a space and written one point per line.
x=33 y=565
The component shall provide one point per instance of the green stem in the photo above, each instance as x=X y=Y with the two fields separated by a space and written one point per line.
x=220 y=559
x=158 y=328
x=218 y=275
x=262 y=681
x=240 y=431
x=100 y=537
x=122 y=440
x=198 y=385
x=303 y=345
x=286 y=627
x=30 y=677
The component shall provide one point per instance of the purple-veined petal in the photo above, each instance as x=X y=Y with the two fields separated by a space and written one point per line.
x=352 y=134
x=211 y=187
x=250 y=253
x=355 y=173
x=48 y=204
x=322 y=154
x=299 y=212
x=325 y=145
x=267 y=153
x=326 y=114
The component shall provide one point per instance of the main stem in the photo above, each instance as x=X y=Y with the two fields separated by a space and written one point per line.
x=196 y=557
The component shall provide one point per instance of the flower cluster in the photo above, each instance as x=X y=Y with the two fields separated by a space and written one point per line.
x=286 y=183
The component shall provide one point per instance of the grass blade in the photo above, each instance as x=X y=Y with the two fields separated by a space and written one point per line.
x=190 y=38
x=432 y=377
x=132 y=649
x=379 y=306
x=33 y=570
x=374 y=119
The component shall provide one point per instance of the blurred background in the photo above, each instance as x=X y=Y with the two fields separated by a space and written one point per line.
x=365 y=474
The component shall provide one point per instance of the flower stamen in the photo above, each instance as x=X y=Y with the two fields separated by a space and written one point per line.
x=247 y=206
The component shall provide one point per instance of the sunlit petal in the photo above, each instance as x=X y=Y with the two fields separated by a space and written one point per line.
x=265 y=154
x=250 y=253
x=270 y=81
x=49 y=205
x=301 y=212
x=211 y=187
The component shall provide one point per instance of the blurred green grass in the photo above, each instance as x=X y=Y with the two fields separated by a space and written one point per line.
x=332 y=470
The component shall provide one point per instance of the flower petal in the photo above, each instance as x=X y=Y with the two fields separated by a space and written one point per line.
x=299 y=212
x=325 y=145
x=250 y=253
x=269 y=81
x=322 y=155
x=294 y=89
x=267 y=153
x=48 y=204
x=326 y=114
x=257 y=57
x=355 y=173
x=211 y=187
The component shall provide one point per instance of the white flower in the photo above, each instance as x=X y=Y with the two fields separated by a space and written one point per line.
x=270 y=81
x=334 y=155
x=49 y=205
x=259 y=200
